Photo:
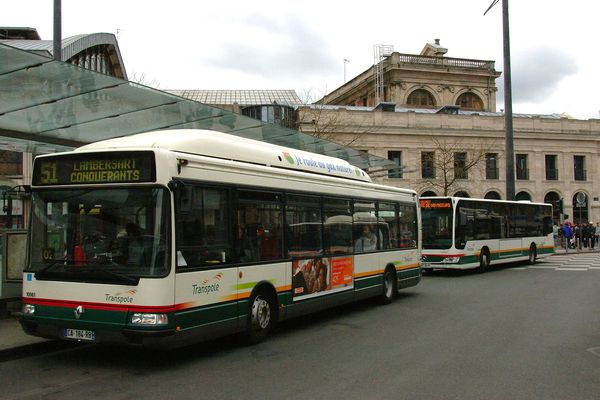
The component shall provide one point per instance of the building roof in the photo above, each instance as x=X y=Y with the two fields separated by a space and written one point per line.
x=436 y=111
x=71 y=46
x=241 y=97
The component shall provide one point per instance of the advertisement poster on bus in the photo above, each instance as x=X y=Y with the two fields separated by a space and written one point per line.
x=321 y=275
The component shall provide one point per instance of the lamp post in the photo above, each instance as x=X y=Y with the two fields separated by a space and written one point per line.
x=508 y=119
x=57 y=39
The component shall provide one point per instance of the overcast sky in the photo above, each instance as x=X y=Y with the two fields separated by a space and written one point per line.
x=302 y=45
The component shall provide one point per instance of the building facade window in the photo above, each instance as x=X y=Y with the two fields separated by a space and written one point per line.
x=421 y=98
x=492 y=195
x=470 y=101
x=523 y=196
x=11 y=163
x=460 y=166
x=554 y=199
x=551 y=167
x=522 y=168
x=491 y=166
x=580 y=173
x=427 y=165
x=580 y=208
x=273 y=114
x=396 y=157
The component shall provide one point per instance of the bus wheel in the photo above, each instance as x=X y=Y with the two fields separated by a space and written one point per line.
x=261 y=317
x=532 y=255
x=484 y=260
x=389 y=286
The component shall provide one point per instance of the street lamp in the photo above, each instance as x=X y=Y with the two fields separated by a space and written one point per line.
x=508 y=120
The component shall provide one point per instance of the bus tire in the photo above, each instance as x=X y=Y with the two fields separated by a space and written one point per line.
x=261 y=317
x=484 y=260
x=389 y=287
x=532 y=254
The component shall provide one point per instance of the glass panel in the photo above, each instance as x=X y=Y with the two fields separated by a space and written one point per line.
x=337 y=234
x=303 y=226
x=259 y=222
x=100 y=234
x=67 y=105
x=364 y=227
x=388 y=226
x=203 y=236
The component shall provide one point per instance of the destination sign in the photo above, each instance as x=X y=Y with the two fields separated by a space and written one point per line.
x=72 y=169
x=426 y=203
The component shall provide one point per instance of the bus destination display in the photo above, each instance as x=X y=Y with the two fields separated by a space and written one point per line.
x=442 y=203
x=95 y=168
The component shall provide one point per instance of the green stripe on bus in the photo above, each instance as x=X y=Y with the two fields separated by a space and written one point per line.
x=362 y=283
x=206 y=315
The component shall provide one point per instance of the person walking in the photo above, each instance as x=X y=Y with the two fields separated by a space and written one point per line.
x=568 y=235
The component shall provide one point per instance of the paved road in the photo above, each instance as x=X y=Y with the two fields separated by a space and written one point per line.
x=524 y=332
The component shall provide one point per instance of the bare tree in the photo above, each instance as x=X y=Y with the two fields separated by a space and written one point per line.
x=453 y=159
x=328 y=123
x=142 y=79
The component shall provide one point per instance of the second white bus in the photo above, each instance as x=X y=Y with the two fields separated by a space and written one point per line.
x=465 y=233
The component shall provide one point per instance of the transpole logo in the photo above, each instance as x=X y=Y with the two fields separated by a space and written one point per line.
x=208 y=285
x=124 y=297
x=289 y=158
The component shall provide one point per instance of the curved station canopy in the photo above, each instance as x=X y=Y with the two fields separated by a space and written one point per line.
x=48 y=106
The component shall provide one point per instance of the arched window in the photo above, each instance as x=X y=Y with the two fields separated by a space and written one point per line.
x=428 y=193
x=523 y=196
x=420 y=98
x=492 y=195
x=461 y=194
x=580 y=208
x=554 y=199
x=469 y=101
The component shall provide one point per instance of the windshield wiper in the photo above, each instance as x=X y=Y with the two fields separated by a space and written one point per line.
x=46 y=268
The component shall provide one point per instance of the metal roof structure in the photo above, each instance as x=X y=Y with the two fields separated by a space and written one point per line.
x=241 y=97
x=48 y=106
x=73 y=49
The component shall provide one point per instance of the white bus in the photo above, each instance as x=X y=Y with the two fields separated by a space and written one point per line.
x=182 y=235
x=463 y=233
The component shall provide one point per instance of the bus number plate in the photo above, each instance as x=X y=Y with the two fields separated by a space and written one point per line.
x=79 y=334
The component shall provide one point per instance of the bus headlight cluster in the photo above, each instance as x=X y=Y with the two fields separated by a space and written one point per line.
x=149 y=319
x=451 y=260
x=28 y=309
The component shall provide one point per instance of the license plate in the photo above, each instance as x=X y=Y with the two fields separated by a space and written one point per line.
x=79 y=334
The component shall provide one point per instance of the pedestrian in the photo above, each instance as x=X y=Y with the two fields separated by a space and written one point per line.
x=568 y=234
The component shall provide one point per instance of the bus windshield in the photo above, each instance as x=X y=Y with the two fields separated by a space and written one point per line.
x=112 y=235
x=437 y=219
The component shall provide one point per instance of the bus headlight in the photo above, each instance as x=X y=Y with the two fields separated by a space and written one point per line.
x=149 y=319
x=28 y=309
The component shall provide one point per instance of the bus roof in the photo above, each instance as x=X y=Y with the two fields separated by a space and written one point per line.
x=224 y=146
x=486 y=200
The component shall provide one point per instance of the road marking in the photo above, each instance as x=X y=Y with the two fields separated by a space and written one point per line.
x=594 y=350
x=570 y=269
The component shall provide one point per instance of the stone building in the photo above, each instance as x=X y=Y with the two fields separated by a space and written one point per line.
x=428 y=80
x=438 y=115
